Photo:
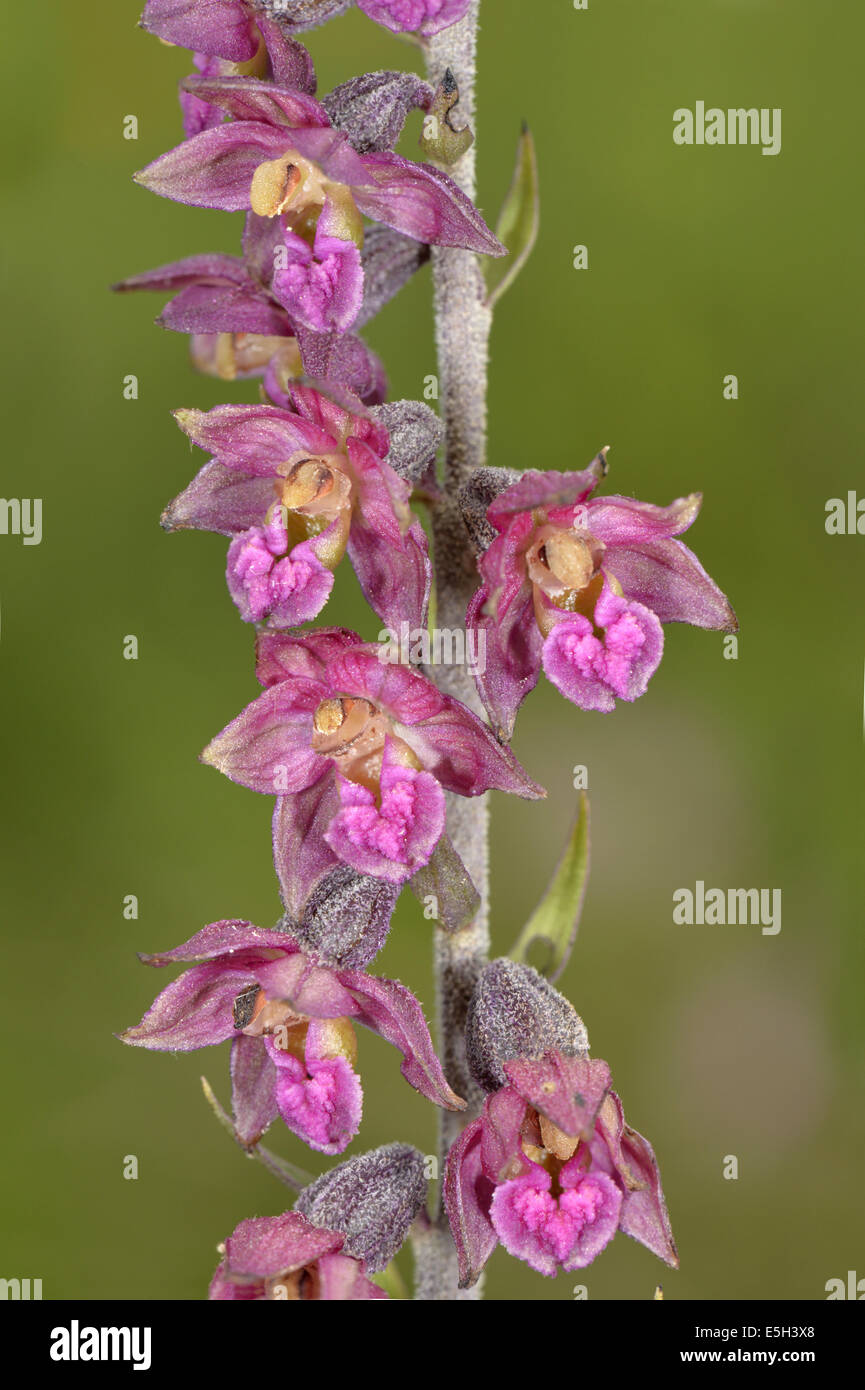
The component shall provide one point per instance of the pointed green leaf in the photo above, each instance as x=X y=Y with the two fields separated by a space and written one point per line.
x=548 y=937
x=518 y=221
x=295 y=1178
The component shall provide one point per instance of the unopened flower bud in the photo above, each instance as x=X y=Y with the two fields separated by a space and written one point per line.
x=482 y=488
x=515 y=1013
x=372 y=1200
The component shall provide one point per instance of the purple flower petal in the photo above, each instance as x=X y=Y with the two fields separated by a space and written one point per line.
x=200 y=115
x=624 y=520
x=220 y=27
x=253 y=438
x=311 y=989
x=338 y=416
x=268 y=746
x=203 y=308
x=306 y=657
x=264 y=1246
x=448 y=738
x=253 y=1089
x=630 y=1158
x=464 y=756
x=333 y=154
x=251 y=99
x=667 y=577
x=424 y=203
x=290 y=63
x=215 y=169
x=261 y=238
x=194 y=1011
x=468 y=1194
x=392 y=564
x=207 y=269
x=405 y=695
x=513 y=648
x=392 y=1011
x=502 y=1155
x=342 y=1278
x=220 y=499
x=301 y=855
x=535 y=489
x=228 y=938
x=568 y=1090
x=342 y=358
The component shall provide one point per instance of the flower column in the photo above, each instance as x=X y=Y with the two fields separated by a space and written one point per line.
x=462 y=319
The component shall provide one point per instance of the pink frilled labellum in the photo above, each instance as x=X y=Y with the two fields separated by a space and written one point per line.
x=551 y=1171
x=287 y=1258
x=580 y=586
x=282 y=158
x=358 y=751
x=560 y=1223
x=321 y=281
x=271 y=580
x=400 y=822
x=291 y=1019
x=297 y=488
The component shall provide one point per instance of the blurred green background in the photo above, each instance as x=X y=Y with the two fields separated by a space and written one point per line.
x=747 y=773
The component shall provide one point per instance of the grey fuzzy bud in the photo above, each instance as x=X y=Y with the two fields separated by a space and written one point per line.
x=415 y=435
x=372 y=1199
x=346 y=918
x=482 y=488
x=514 y=1012
x=371 y=110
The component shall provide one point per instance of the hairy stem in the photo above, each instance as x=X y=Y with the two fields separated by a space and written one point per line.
x=462 y=322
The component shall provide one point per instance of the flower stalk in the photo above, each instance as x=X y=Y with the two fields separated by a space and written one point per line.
x=462 y=327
